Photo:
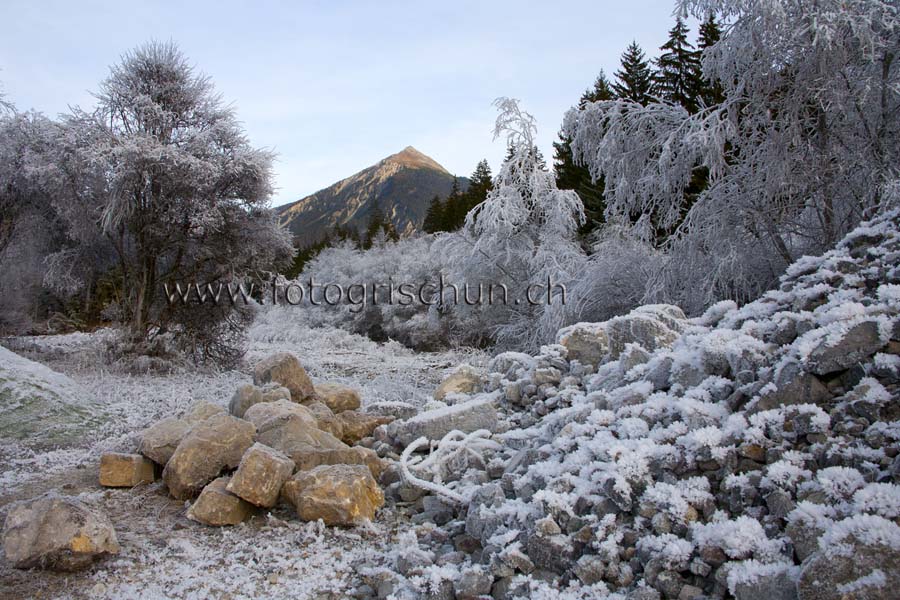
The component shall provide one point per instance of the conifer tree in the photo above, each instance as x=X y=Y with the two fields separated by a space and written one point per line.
x=572 y=176
x=376 y=224
x=678 y=77
x=710 y=92
x=434 y=216
x=634 y=81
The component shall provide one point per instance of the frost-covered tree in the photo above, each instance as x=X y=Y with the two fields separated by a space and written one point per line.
x=29 y=228
x=176 y=187
x=798 y=152
x=522 y=234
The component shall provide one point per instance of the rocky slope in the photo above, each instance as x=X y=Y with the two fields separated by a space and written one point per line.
x=402 y=185
x=753 y=452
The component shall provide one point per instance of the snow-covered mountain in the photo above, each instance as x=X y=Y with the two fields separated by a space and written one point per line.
x=402 y=185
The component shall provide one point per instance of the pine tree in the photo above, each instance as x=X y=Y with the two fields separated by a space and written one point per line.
x=572 y=176
x=434 y=217
x=376 y=224
x=634 y=79
x=482 y=180
x=711 y=92
x=678 y=78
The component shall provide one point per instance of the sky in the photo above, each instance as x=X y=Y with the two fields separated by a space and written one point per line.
x=335 y=86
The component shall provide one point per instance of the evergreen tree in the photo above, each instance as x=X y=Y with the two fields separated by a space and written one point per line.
x=634 y=79
x=434 y=217
x=572 y=176
x=711 y=92
x=376 y=223
x=482 y=180
x=678 y=78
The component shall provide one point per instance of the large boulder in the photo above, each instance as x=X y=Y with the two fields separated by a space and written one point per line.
x=269 y=415
x=217 y=443
x=792 y=385
x=652 y=327
x=357 y=455
x=40 y=406
x=290 y=428
x=338 y=397
x=465 y=380
x=201 y=410
x=357 y=425
x=836 y=353
x=338 y=494
x=260 y=475
x=858 y=559
x=57 y=532
x=125 y=470
x=475 y=414
x=285 y=369
x=158 y=442
x=247 y=395
x=217 y=506
x=326 y=420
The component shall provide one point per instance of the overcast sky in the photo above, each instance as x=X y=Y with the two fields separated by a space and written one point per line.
x=334 y=86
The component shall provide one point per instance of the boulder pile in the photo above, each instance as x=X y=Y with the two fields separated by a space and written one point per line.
x=751 y=452
x=284 y=439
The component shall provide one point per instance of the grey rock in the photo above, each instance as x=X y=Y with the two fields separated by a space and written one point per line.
x=473 y=582
x=793 y=386
x=774 y=586
x=857 y=344
x=823 y=576
x=469 y=416
x=553 y=553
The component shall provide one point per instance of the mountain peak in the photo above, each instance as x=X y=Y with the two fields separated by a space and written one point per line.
x=412 y=158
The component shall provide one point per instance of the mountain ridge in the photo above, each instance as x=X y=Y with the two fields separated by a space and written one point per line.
x=401 y=185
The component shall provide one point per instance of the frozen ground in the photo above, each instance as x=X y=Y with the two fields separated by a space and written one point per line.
x=163 y=554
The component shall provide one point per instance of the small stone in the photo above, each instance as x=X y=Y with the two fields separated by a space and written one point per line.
x=125 y=470
x=260 y=475
x=517 y=559
x=590 y=569
x=472 y=583
x=554 y=553
x=217 y=506
x=754 y=452
x=769 y=586
x=690 y=592
x=547 y=526
x=56 y=532
x=464 y=380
